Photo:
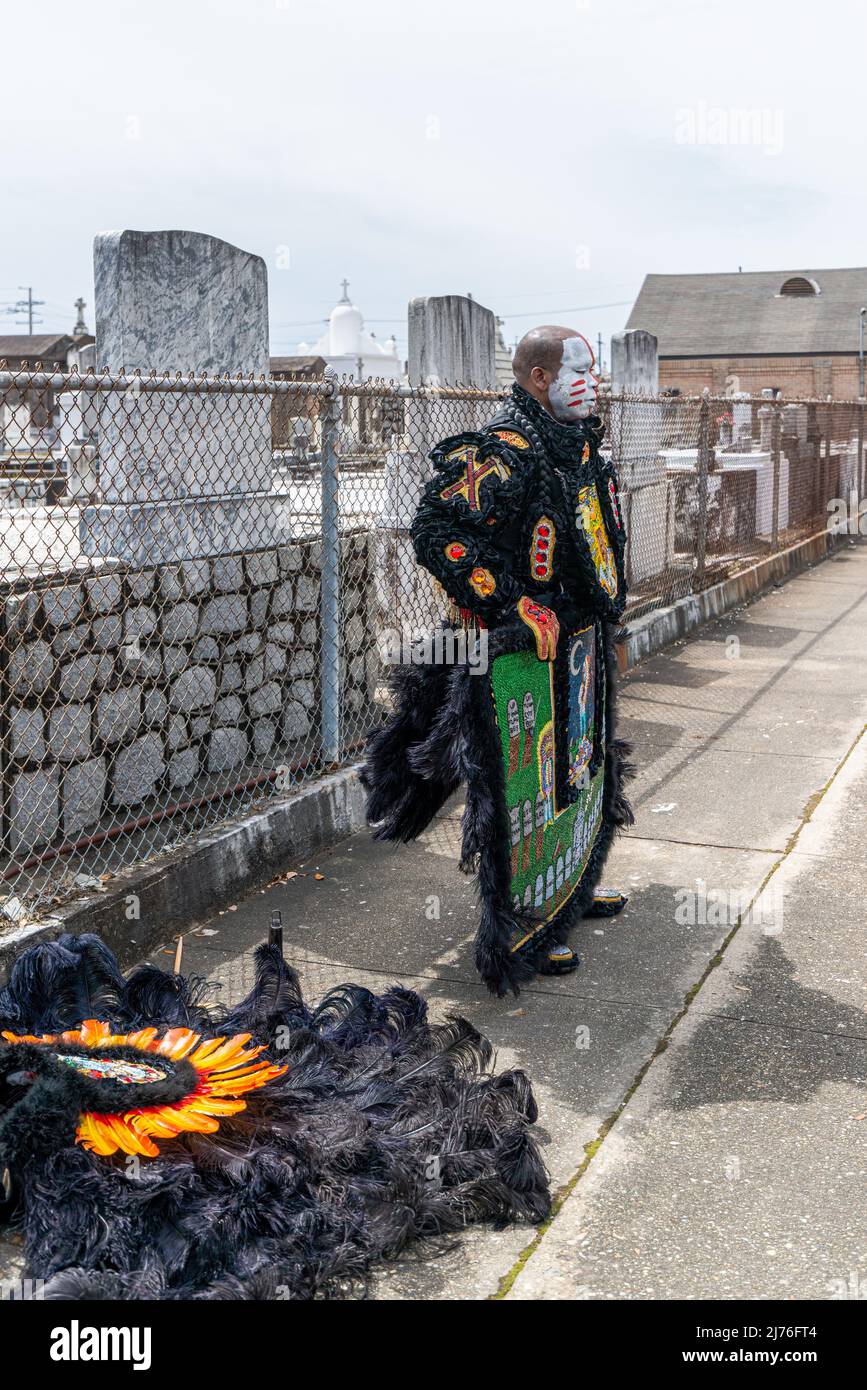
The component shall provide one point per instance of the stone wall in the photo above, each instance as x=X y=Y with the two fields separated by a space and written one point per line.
x=128 y=688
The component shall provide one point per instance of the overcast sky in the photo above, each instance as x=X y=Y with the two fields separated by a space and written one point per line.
x=542 y=155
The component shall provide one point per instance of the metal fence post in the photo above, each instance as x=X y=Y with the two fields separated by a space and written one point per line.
x=330 y=582
x=703 y=466
x=775 y=454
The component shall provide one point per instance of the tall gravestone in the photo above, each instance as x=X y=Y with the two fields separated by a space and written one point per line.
x=452 y=341
x=635 y=430
x=742 y=419
x=635 y=362
x=182 y=473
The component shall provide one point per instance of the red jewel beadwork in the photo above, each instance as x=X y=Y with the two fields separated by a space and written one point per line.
x=541 y=551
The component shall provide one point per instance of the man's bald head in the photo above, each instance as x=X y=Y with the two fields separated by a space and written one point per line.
x=555 y=366
x=541 y=347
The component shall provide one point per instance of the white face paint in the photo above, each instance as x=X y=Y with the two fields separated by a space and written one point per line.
x=572 y=393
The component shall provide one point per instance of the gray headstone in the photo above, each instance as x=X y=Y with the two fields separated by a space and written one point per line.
x=635 y=431
x=635 y=362
x=176 y=301
x=451 y=339
x=742 y=418
x=766 y=428
x=183 y=464
x=77 y=434
x=796 y=421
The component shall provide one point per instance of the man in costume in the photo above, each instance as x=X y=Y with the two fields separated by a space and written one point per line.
x=521 y=525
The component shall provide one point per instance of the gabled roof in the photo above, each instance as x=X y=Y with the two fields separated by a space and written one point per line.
x=36 y=347
x=733 y=314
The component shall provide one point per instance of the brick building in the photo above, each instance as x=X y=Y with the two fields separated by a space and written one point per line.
x=797 y=331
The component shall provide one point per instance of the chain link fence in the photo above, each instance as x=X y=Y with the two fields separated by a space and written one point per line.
x=202 y=578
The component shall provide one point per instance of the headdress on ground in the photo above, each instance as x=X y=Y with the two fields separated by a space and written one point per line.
x=155 y=1147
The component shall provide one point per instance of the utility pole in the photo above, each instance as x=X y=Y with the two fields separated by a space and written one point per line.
x=599 y=354
x=27 y=306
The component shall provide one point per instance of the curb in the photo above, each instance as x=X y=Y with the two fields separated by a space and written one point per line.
x=189 y=883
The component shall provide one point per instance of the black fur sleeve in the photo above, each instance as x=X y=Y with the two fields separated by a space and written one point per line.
x=612 y=510
x=461 y=530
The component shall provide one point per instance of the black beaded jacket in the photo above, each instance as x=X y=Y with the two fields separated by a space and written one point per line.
x=526 y=506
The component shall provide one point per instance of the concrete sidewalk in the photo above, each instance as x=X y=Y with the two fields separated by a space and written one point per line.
x=700 y=1082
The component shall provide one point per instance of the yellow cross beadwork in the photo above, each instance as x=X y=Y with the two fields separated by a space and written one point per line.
x=474 y=475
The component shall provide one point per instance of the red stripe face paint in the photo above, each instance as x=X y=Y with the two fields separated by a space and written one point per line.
x=572 y=393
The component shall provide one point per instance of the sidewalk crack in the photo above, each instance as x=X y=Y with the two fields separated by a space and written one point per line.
x=564 y=1192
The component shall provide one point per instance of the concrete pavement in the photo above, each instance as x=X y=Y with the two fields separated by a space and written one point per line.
x=701 y=1077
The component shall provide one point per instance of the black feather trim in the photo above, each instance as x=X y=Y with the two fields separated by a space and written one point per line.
x=383 y=1129
x=460 y=742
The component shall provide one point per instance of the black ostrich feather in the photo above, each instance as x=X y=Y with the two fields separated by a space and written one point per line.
x=153 y=996
x=57 y=984
x=383 y=1130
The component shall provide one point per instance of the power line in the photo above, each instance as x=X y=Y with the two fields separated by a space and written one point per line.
x=539 y=294
x=577 y=309
x=531 y=313
x=525 y=314
x=26 y=306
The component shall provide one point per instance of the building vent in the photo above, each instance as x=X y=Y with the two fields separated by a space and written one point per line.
x=798 y=286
